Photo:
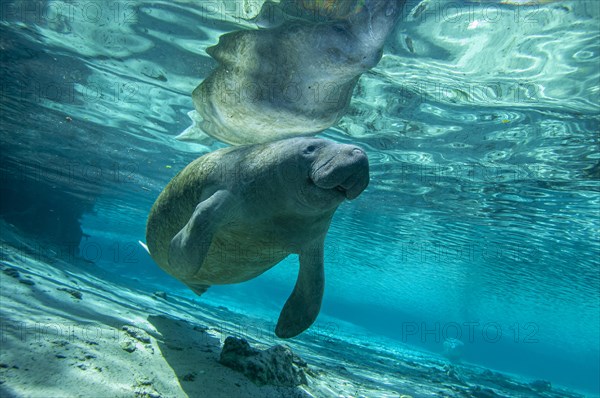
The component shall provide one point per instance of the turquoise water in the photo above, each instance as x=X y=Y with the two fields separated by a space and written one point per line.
x=481 y=123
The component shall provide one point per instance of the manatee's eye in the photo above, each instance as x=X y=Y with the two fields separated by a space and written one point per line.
x=310 y=149
x=336 y=55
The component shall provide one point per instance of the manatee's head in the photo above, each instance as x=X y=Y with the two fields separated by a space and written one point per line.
x=375 y=20
x=352 y=45
x=325 y=173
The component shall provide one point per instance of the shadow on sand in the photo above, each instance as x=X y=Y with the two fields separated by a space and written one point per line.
x=193 y=351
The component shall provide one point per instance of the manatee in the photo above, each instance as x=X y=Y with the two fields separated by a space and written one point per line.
x=274 y=13
x=295 y=79
x=234 y=213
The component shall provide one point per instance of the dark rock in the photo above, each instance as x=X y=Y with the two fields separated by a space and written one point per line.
x=189 y=377
x=274 y=366
x=452 y=374
x=299 y=361
x=12 y=272
x=478 y=392
x=60 y=356
x=128 y=346
x=72 y=292
x=435 y=375
x=497 y=379
x=541 y=385
x=137 y=334
x=160 y=294
x=144 y=389
x=149 y=393
x=144 y=382
x=238 y=347
x=487 y=373
x=26 y=281
x=3 y=365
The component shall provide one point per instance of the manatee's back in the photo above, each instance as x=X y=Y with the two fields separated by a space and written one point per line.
x=175 y=205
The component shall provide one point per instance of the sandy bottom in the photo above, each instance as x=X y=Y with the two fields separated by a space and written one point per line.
x=68 y=331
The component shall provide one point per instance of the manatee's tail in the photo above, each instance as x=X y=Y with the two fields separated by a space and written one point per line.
x=144 y=246
x=197 y=288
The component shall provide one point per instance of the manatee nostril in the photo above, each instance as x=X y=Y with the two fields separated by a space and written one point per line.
x=357 y=151
x=391 y=8
x=358 y=155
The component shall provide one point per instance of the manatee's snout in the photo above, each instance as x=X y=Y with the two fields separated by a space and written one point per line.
x=376 y=21
x=388 y=8
x=344 y=168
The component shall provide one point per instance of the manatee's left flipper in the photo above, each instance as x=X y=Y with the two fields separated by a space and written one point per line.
x=190 y=245
x=304 y=304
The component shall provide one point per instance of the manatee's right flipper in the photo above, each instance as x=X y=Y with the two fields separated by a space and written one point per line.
x=189 y=247
x=302 y=307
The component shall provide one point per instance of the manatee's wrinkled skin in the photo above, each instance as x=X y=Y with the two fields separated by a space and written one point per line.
x=294 y=79
x=234 y=213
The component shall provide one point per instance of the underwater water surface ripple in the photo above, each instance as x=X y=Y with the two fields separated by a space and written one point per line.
x=481 y=125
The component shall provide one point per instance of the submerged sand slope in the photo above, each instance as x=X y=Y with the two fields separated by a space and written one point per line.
x=93 y=338
x=66 y=332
